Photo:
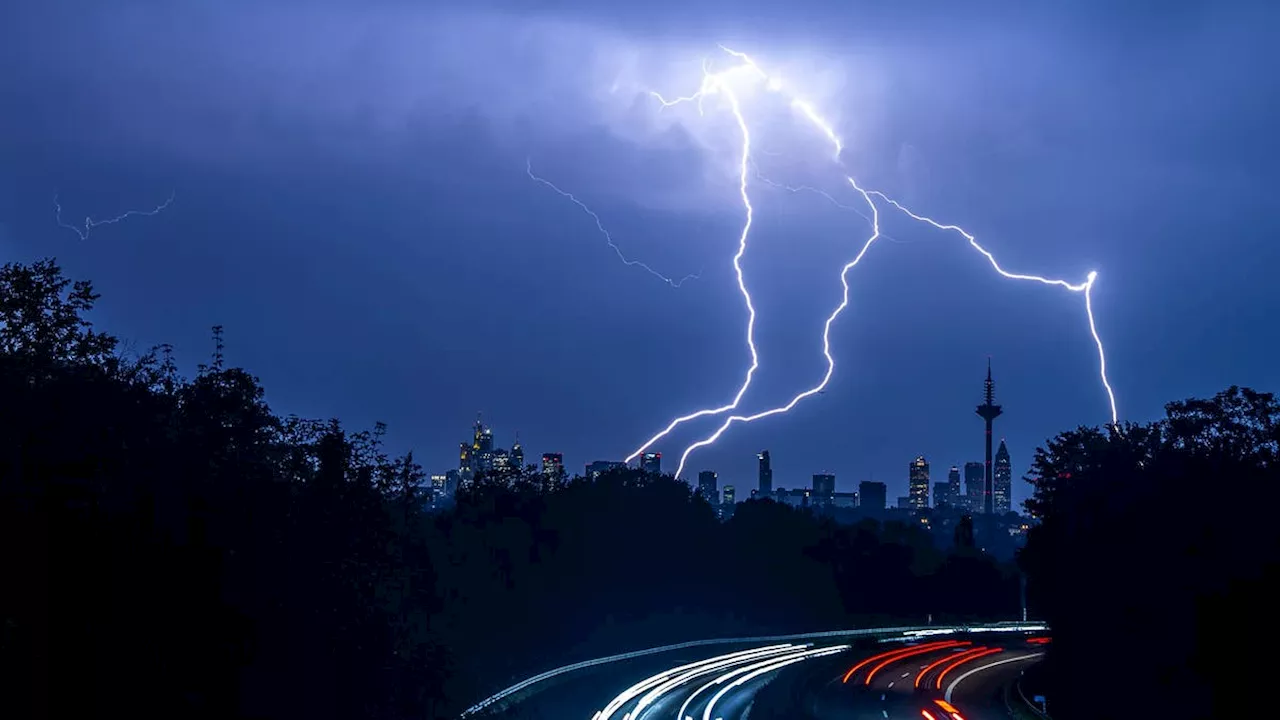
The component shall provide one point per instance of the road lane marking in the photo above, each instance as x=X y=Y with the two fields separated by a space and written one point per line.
x=951 y=688
x=891 y=683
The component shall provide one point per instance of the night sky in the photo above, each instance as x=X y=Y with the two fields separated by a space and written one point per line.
x=351 y=204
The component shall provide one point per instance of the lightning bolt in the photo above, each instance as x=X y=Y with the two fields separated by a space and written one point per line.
x=715 y=83
x=90 y=223
x=608 y=237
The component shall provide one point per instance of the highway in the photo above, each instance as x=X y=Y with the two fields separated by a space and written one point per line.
x=929 y=675
x=960 y=678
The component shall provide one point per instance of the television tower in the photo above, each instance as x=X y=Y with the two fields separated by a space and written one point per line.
x=988 y=411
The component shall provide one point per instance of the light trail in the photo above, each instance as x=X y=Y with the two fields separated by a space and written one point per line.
x=766 y=669
x=796 y=653
x=90 y=223
x=648 y=683
x=716 y=83
x=1019 y=658
x=675 y=682
x=608 y=237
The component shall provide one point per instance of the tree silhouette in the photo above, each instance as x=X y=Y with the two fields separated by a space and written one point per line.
x=1131 y=552
x=173 y=546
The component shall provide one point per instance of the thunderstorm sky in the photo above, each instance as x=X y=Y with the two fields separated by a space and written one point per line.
x=352 y=204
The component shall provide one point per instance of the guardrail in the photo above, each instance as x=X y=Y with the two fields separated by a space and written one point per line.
x=1031 y=705
x=907 y=632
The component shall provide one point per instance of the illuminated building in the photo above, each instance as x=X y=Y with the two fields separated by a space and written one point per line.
x=872 y=495
x=973 y=487
x=651 y=462
x=553 y=468
x=918 y=483
x=766 y=474
x=464 y=458
x=942 y=495
x=728 y=504
x=600 y=467
x=708 y=486
x=438 y=483
x=954 y=494
x=988 y=411
x=1002 y=489
x=824 y=488
x=517 y=455
x=500 y=463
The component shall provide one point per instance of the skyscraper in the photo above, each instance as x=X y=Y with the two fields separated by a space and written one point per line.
x=1002 y=489
x=954 y=492
x=766 y=475
x=517 y=455
x=824 y=488
x=872 y=495
x=918 y=483
x=988 y=411
x=464 y=458
x=708 y=486
x=553 y=468
x=941 y=495
x=973 y=487
x=651 y=462
x=730 y=495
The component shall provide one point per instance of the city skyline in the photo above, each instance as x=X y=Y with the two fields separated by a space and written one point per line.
x=920 y=489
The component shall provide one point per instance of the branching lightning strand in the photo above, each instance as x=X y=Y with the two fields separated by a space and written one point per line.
x=90 y=223
x=608 y=237
x=713 y=83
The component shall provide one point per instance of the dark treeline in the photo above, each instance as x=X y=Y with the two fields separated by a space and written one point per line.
x=172 y=547
x=1156 y=561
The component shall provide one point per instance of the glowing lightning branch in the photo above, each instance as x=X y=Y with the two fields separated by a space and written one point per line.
x=607 y=236
x=712 y=83
x=826 y=343
x=90 y=223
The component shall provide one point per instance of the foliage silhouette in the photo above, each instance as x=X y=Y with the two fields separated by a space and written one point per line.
x=1137 y=550
x=173 y=546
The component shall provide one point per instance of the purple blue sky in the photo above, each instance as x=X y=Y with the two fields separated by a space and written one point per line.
x=351 y=204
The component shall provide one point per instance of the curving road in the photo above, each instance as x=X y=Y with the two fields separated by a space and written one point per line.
x=962 y=678
x=929 y=675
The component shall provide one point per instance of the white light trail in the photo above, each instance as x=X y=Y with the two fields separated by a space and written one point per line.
x=1020 y=658
x=713 y=83
x=766 y=668
x=608 y=237
x=90 y=223
x=655 y=694
x=648 y=683
x=794 y=657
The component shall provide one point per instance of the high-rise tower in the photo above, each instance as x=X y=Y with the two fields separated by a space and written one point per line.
x=918 y=483
x=766 y=475
x=1002 y=487
x=988 y=411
